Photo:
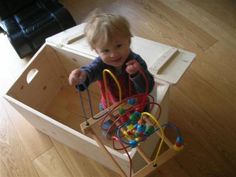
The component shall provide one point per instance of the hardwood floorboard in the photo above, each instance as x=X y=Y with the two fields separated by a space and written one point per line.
x=207 y=22
x=205 y=140
x=14 y=161
x=34 y=142
x=223 y=10
x=79 y=165
x=198 y=90
x=211 y=64
x=51 y=164
x=186 y=32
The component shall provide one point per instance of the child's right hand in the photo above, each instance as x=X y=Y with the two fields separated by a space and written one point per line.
x=77 y=76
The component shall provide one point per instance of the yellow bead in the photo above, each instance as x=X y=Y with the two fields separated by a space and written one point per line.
x=176 y=148
x=130 y=127
x=124 y=133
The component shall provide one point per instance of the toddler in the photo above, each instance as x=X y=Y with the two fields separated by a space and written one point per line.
x=109 y=35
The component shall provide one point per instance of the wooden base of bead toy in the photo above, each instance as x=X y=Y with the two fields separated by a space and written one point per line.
x=92 y=128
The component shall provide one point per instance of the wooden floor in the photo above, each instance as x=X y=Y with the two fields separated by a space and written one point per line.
x=203 y=103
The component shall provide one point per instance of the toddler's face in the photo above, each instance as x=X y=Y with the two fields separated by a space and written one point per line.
x=115 y=52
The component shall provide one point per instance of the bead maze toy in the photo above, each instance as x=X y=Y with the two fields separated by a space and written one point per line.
x=127 y=124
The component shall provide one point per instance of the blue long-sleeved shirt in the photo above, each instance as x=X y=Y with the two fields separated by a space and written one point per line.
x=130 y=85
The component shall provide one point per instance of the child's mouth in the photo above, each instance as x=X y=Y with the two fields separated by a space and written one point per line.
x=117 y=60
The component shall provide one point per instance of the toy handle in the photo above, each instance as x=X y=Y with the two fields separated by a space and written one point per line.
x=31 y=75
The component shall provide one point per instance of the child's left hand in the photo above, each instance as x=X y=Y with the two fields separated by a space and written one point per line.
x=132 y=67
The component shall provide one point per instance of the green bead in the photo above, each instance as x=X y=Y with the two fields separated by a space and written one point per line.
x=133 y=118
x=121 y=110
x=136 y=134
x=149 y=130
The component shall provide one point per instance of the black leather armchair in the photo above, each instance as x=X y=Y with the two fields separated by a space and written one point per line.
x=28 y=23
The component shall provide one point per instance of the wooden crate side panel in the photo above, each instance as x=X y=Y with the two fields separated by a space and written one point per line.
x=71 y=60
x=68 y=136
x=56 y=65
x=45 y=85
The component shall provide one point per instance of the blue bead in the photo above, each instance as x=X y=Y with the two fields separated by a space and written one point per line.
x=106 y=125
x=141 y=128
x=101 y=107
x=138 y=114
x=179 y=140
x=131 y=101
x=133 y=143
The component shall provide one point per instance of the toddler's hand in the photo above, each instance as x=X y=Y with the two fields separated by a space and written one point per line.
x=77 y=76
x=132 y=67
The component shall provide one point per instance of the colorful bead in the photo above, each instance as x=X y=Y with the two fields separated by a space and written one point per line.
x=141 y=121
x=130 y=127
x=141 y=128
x=101 y=108
x=124 y=119
x=149 y=130
x=178 y=144
x=138 y=139
x=133 y=143
x=179 y=140
x=131 y=101
x=121 y=110
x=106 y=125
x=176 y=148
x=130 y=132
x=124 y=132
x=137 y=114
x=133 y=118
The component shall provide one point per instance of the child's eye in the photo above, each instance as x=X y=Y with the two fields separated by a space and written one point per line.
x=119 y=46
x=105 y=50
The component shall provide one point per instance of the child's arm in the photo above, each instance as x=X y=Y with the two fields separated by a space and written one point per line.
x=86 y=74
x=133 y=66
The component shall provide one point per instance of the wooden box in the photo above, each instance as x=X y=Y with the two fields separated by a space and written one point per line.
x=42 y=94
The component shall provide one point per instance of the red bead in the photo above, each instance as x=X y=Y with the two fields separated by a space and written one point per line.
x=178 y=144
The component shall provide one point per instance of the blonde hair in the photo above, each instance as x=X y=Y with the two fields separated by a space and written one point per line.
x=101 y=27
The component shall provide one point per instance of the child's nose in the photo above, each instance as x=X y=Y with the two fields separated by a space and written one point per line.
x=113 y=53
